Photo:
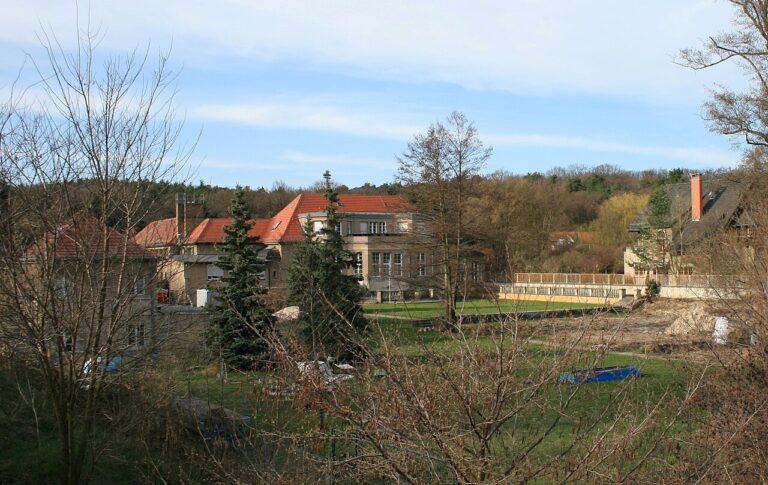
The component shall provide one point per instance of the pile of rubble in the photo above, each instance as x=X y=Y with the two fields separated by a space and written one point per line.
x=694 y=321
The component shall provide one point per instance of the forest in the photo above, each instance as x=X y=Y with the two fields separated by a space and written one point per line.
x=515 y=219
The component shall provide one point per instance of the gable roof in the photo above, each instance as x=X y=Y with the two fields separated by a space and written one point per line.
x=158 y=233
x=211 y=230
x=81 y=237
x=721 y=207
x=286 y=227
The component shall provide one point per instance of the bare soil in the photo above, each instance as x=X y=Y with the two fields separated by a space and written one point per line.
x=674 y=328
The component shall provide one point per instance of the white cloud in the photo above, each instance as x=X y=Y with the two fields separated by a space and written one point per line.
x=335 y=160
x=309 y=115
x=691 y=155
x=239 y=165
x=526 y=46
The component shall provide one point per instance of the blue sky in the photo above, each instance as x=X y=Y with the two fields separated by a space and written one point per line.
x=283 y=90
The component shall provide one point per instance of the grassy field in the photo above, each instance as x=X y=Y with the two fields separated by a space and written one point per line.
x=34 y=461
x=661 y=381
x=431 y=309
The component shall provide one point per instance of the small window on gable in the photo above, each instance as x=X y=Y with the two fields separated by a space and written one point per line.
x=277 y=224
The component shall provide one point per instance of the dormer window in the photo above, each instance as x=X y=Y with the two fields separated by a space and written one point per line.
x=377 y=227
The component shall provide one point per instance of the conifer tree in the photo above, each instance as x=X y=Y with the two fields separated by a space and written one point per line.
x=328 y=298
x=240 y=320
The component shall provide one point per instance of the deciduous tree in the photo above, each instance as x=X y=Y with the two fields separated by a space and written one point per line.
x=76 y=162
x=438 y=171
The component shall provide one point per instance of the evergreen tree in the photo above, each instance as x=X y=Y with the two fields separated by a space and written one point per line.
x=328 y=298
x=241 y=321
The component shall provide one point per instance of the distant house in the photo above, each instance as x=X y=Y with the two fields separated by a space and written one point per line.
x=82 y=262
x=697 y=212
x=382 y=231
x=560 y=240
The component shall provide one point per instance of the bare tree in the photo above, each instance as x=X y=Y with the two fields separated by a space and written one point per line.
x=741 y=114
x=437 y=171
x=75 y=165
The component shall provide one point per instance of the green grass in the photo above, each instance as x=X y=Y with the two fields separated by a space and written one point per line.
x=661 y=381
x=28 y=458
x=22 y=458
x=431 y=309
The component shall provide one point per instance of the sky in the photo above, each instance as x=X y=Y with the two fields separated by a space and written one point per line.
x=280 y=91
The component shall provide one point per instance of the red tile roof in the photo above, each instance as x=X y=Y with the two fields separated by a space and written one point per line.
x=211 y=230
x=286 y=226
x=283 y=227
x=158 y=233
x=81 y=237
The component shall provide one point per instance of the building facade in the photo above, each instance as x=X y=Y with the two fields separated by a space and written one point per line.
x=392 y=246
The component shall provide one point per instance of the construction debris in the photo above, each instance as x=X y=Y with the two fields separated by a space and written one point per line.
x=693 y=321
x=287 y=314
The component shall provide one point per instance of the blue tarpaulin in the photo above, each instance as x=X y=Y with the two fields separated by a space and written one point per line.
x=600 y=374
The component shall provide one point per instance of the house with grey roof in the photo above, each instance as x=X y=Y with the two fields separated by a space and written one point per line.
x=693 y=214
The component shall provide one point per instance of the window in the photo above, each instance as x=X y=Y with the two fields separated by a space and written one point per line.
x=386 y=263
x=337 y=228
x=397 y=264
x=136 y=335
x=358 y=263
x=62 y=285
x=140 y=285
x=349 y=228
x=214 y=272
x=377 y=227
x=475 y=272
x=375 y=264
x=421 y=261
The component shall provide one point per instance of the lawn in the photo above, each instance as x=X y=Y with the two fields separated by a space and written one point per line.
x=660 y=381
x=431 y=309
x=26 y=459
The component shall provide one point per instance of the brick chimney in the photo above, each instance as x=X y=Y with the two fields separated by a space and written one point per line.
x=696 y=205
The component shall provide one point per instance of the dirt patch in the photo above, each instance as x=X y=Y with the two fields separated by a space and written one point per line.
x=695 y=321
x=645 y=330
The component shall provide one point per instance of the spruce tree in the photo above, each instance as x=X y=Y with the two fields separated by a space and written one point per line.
x=240 y=320
x=328 y=298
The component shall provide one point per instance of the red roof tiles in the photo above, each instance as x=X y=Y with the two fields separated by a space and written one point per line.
x=158 y=233
x=82 y=237
x=283 y=227
x=286 y=226
x=211 y=230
